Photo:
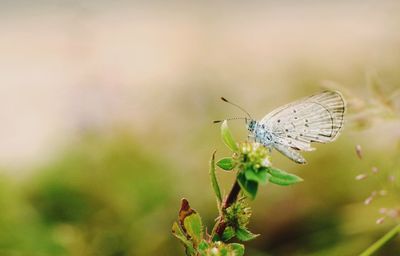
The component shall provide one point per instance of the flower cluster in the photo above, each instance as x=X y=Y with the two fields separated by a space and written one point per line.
x=238 y=214
x=252 y=156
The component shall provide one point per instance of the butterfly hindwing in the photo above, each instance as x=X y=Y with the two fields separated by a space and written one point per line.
x=290 y=153
x=318 y=118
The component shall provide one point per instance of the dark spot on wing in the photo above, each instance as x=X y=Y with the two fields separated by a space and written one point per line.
x=328 y=136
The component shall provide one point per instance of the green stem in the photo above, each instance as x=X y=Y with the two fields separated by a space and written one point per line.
x=382 y=241
x=220 y=225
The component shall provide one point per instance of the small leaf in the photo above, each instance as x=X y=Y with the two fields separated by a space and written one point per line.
x=245 y=235
x=203 y=246
x=241 y=178
x=194 y=228
x=216 y=238
x=214 y=181
x=282 y=178
x=226 y=163
x=184 y=212
x=261 y=176
x=251 y=175
x=229 y=233
x=177 y=232
x=237 y=249
x=249 y=187
x=191 y=223
x=222 y=252
x=227 y=137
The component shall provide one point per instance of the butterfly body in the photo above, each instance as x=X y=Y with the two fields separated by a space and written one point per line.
x=292 y=127
x=259 y=133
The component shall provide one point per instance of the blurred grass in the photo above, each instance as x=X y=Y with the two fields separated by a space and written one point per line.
x=110 y=195
x=104 y=196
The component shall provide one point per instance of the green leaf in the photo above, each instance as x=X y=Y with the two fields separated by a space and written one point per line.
x=203 y=246
x=222 y=252
x=249 y=187
x=261 y=176
x=229 y=233
x=214 y=181
x=251 y=175
x=194 y=227
x=244 y=235
x=189 y=228
x=237 y=249
x=226 y=163
x=227 y=137
x=282 y=178
x=177 y=232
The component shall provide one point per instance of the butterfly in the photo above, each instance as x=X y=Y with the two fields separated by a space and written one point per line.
x=293 y=127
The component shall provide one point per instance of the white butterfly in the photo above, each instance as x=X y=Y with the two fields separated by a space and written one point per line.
x=292 y=127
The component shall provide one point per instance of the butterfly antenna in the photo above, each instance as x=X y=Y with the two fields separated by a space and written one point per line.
x=239 y=107
x=233 y=118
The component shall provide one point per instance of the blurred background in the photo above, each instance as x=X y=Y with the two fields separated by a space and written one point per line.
x=106 y=112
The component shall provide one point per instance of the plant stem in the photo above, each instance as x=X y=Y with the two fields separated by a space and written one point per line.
x=230 y=199
x=382 y=241
x=232 y=196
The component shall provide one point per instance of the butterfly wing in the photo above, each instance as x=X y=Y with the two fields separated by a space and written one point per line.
x=290 y=153
x=318 y=118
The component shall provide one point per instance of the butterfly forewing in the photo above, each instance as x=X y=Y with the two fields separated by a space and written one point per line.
x=318 y=118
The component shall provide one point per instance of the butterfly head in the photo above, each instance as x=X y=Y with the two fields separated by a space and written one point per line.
x=251 y=124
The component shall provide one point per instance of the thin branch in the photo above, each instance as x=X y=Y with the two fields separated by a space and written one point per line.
x=229 y=200
x=382 y=241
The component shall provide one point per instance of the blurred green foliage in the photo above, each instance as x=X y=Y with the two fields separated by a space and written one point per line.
x=104 y=196
x=115 y=194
